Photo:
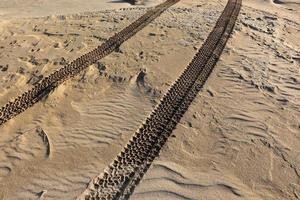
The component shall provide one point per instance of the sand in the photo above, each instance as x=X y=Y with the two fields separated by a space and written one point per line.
x=239 y=140
x=39 y=8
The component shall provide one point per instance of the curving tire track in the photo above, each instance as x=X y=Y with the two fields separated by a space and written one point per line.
x=32 y=96
x=124 y=173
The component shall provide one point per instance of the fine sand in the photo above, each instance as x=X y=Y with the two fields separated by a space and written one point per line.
x=240 y=138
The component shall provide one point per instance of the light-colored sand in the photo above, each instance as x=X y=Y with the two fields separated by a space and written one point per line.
x=40 y=8
x=37 y=8
x=239 y=140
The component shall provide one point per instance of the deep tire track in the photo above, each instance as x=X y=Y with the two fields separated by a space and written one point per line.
x=124 y=173
x=32 y=96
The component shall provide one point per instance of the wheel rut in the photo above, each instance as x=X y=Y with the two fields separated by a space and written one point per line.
x=128 y=168
x=49 y=83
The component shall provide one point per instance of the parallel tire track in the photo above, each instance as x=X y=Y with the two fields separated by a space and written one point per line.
x=32 y=96
x=124 y=173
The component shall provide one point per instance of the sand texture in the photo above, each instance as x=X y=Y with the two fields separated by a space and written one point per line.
x=240 y=138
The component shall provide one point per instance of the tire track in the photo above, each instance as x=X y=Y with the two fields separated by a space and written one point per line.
x=32 y=96
x=124 y=173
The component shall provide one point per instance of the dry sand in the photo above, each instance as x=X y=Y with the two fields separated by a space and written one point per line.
x=240 y=138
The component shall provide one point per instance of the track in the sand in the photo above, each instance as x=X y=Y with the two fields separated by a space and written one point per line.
x=32 y=96
x=124 y=173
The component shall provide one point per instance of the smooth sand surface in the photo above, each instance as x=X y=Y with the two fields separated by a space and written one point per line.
x=240 y=138
x=37 y=8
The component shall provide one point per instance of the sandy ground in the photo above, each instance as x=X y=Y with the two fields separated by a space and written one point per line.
x=38 y=8
x=239 y=140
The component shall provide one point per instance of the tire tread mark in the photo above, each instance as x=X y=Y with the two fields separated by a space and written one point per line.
x=127 y=169
x=49 y=83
